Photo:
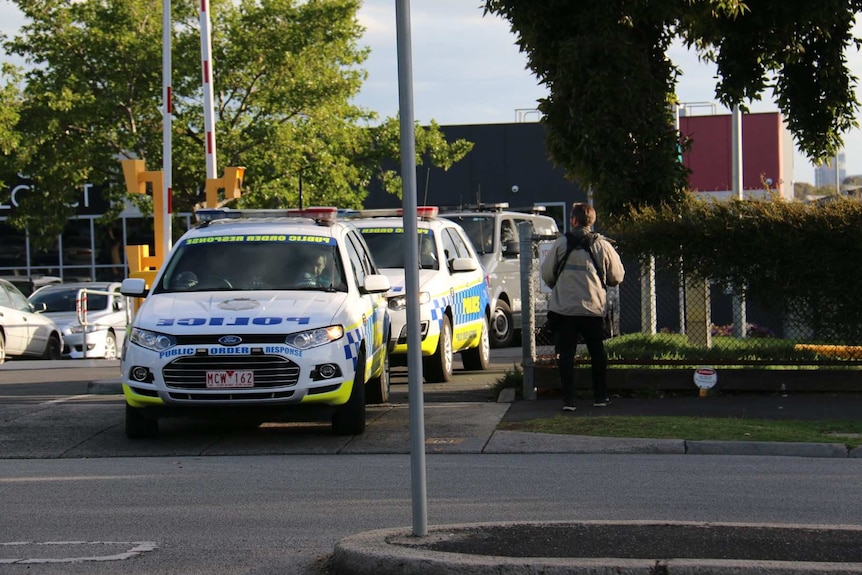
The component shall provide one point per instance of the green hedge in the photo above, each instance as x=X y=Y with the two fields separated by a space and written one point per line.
x=801 y=259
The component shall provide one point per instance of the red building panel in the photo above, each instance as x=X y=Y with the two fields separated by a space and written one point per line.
x=710 y=155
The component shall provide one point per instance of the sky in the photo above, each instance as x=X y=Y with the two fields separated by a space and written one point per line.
x=467 y=70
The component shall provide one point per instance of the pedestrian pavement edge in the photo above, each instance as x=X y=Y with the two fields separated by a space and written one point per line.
x=398 y=551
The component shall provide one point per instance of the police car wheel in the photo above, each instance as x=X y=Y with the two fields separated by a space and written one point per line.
x=139 y=425
x=378 y=387
x=438 y=367
x=349 y=419
x=477 y=359
x=2 y=348
x=502 y=327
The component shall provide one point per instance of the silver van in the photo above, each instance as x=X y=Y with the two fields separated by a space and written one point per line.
x=493 y=229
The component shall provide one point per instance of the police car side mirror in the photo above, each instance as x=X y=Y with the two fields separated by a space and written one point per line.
x=512 y=249
x=464 y=265
x=376 y=283
x=134 y=287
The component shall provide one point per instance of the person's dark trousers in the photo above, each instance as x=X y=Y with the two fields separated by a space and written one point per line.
x=590 y=329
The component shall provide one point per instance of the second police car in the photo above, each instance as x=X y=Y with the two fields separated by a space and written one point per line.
x=454 y=305
x=253 y=315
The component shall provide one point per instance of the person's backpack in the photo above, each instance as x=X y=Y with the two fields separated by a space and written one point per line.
x=586 y=243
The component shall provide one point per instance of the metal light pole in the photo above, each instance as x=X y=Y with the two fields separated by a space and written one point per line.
x=411 y=269
x=739 y=315
x=206 y=72
x=167 y=128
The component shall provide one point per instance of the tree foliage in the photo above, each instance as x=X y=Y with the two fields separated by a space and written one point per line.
x=612 y=86
x=284 y=75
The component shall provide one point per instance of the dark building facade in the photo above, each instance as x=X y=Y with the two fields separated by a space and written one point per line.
x=508 y=163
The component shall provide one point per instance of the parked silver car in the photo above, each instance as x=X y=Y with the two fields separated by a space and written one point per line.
x=106 y=318
x=23 y=332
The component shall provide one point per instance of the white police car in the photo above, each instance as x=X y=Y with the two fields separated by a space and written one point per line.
x=454 y=305
x=250 y=314
x=493 y=230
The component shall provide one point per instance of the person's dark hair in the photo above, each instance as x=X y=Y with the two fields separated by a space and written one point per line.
x=585 y=214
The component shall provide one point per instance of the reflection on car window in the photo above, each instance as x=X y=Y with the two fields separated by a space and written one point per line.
x=387 y=248
x=229 y=266
x=480 y=230
x=64 y=300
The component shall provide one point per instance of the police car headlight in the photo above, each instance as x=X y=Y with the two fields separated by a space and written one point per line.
x=151 y=339
x=399 y=302
x=314 y=337
x=78 y=328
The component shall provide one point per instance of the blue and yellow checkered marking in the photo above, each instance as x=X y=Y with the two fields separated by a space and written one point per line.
x=352 y=339
x=470 y=304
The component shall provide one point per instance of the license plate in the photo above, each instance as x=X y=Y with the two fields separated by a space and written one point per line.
x=230 y=378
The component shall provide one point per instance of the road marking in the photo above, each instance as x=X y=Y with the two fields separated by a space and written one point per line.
x=138 y=548
x=69 y=398
x=444 y=440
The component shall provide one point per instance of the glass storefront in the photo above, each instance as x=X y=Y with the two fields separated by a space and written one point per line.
x=86 y=250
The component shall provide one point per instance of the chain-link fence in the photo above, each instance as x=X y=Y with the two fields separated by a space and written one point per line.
x=666 y=318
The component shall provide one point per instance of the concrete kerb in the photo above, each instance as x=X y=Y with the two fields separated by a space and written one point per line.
x=398 y=551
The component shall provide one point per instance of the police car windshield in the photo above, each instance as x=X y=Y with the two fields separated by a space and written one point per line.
x=480 y=230
x=237 y=263
x=387 y=248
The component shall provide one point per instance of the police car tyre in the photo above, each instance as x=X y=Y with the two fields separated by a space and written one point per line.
x=53 y=349
x=502 y=327
x=110 y=345
x=349 y=419
x=478 y=358
x=378 y=387
x=438 y=367
x=139 y=425
x=2 y=348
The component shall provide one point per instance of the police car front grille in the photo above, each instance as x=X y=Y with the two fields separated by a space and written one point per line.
x=269 y=370
x=213 y=339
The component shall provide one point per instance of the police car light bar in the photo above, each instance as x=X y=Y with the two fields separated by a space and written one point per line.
x=424 y=212
x=207 y=215
x=377 y=213
x=427 y=212
x=326 y=215
x=493 y=207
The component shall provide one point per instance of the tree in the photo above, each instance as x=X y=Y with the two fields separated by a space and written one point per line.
x=284 y=73
x=612 y=86
x=10 y=101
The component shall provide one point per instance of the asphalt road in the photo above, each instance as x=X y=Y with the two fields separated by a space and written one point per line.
x=79 y=498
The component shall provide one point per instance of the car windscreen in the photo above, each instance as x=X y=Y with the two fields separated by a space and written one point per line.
x=64 y=300
x=387 y=247
x=480 y=230
x=248 y=262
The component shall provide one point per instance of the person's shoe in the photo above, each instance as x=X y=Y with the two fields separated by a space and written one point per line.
x=604 y=403
x=569 y=407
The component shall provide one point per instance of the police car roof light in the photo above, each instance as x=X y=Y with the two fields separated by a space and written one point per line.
x=377 y=213
x=427 y=212
x=326 y=215
x=482 y=207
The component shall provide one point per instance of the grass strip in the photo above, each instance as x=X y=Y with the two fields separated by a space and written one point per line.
x=697 y=428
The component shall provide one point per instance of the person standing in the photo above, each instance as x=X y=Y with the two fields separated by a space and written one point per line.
x=578 y=268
